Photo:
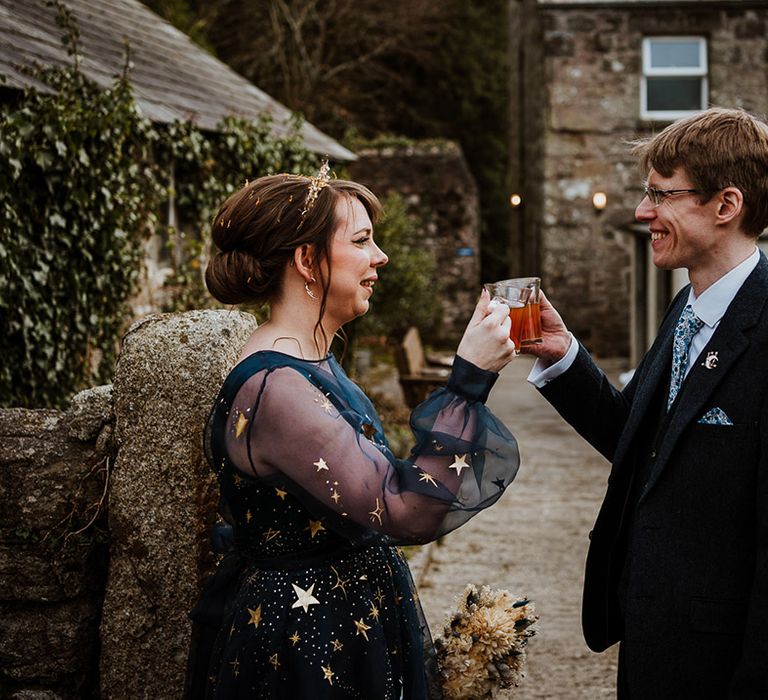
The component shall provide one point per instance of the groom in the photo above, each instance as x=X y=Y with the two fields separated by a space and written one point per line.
x=677 y=569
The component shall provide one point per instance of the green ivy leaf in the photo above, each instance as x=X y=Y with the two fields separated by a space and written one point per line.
x=57 y=220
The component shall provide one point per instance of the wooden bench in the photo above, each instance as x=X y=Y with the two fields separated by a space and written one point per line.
x=419 y=375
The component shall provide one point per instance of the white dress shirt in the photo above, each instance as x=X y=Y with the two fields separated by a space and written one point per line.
x=710 y=307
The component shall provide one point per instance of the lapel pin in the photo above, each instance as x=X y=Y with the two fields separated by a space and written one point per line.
x=711 y=360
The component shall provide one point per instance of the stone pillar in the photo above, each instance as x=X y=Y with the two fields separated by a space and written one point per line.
x=163 y=495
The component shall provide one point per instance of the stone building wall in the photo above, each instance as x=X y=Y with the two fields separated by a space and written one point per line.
x=589 y=77
x=53 y=550
x=436 y=183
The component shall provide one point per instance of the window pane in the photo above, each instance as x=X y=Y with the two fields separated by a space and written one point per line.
x=675 y=54
x=674 y=94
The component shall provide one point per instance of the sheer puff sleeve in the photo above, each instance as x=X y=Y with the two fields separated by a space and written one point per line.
x=314 y=433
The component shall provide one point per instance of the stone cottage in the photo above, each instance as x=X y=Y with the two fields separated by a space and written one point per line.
x=176 y=80
x=173 y=80
x=587 y=78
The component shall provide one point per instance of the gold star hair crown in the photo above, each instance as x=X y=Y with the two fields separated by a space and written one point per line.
x=316 y=183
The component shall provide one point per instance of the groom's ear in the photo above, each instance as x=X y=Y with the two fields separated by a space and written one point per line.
x=730 y=205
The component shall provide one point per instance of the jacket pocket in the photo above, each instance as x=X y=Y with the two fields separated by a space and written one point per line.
x=707 y=453
x=718 y=615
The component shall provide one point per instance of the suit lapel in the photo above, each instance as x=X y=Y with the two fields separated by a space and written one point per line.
x=729 y=341
x=660 y=359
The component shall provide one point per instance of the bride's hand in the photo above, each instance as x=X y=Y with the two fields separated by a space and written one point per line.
x=486 y=342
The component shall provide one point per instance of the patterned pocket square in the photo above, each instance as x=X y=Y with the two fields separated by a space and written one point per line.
x=715 y=416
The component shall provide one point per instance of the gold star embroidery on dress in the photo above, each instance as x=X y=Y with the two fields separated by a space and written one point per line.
x=328 y=674
x=398 y=598
x=274 y=661
x=368 y=429
x=362 y=628
x=314 y=527
x=337 y=645
x=304 y=598
x=280 y=493
x=374 y=613
x=248 y=516
x=237 y=480
x=376 y=512
x=235 y=667
x=241 y=425
x=326 y=404
x=255 y=617
x=335 y=496
x=270 y=534
x=295 y=639
x=379 y=596
x=438 y=447
x=340 y=583
x=364 y=577
x=426 y=476
x=320 y=464
x=460 y=462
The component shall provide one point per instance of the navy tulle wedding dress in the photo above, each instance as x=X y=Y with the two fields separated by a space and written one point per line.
x=314 y=599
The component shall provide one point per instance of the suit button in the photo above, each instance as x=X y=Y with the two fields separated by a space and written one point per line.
x=653 y=454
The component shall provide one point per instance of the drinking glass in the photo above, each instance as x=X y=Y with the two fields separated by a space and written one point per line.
x=521 y=294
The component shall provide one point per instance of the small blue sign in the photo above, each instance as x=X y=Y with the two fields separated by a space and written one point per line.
x=465 y=252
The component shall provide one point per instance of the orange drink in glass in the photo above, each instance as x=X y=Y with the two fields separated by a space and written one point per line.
x=521 y=294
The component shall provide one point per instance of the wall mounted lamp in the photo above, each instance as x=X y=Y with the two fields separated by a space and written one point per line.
x=599 y=201
x=515 y=200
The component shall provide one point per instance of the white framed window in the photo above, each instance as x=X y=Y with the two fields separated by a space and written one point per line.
x=674 y=82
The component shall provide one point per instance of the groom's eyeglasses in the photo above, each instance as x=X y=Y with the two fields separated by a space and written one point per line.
x=658 y=196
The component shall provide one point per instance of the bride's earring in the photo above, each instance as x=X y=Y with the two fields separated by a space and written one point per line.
x=309 y=291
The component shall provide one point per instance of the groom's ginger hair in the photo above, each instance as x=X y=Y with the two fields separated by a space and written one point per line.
x=717 y=148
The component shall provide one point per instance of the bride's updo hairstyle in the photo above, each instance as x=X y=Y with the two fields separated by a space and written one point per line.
x=259 y=227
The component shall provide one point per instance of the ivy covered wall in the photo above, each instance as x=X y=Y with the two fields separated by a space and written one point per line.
x=83 y=180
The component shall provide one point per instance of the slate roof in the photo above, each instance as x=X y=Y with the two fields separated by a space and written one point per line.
x=650 y=3
x=172 y=77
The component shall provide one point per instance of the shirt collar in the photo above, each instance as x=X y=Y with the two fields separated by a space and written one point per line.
x=711 y=306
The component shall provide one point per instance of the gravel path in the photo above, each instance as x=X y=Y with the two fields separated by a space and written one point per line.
x=534 y=542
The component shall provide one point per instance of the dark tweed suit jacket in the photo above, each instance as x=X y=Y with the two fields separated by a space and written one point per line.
x=692 y=500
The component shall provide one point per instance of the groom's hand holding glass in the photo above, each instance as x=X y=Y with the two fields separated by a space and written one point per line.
x=555 y=337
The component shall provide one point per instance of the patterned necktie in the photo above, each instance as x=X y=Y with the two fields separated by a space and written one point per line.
x=688 y=325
